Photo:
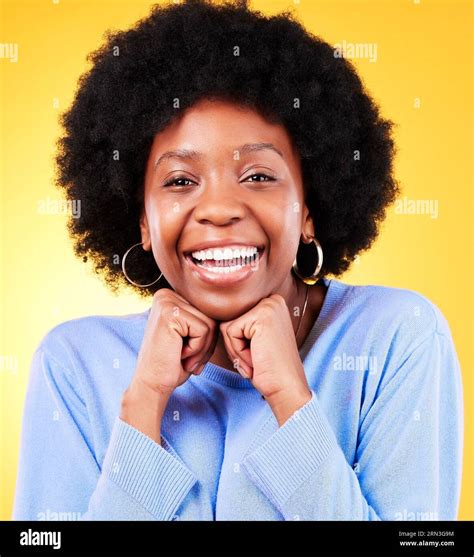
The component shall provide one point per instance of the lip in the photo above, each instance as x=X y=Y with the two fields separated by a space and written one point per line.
x=218 y=279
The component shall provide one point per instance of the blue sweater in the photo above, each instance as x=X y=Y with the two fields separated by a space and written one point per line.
x=381 y=438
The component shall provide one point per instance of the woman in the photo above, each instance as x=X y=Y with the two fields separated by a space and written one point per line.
x=226 y=164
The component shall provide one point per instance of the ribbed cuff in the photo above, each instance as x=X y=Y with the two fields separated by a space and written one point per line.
x=292 y=454
x=146 y=471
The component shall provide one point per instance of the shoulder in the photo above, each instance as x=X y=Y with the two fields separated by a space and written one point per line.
x=399 y=312
x=73 y=339
x=403 y=331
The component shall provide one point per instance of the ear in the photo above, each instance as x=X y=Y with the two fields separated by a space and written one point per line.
x=145 y=231
x=308 y=226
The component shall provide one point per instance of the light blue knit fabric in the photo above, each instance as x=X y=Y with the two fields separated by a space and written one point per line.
x=381 y=438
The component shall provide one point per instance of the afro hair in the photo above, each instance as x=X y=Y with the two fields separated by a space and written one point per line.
x=197 y=50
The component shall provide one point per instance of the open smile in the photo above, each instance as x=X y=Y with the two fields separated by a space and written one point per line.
x=224 y=266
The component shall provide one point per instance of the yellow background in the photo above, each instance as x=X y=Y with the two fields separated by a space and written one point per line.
x=424 y=51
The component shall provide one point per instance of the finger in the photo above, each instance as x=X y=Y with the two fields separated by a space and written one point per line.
x=199 y=351
x=228 y=345
x=179 y=302
x=192 y=309
x=240 y=337
x=184 y=305
x=197 y=335
x=236 y=346
x=212 y=345
x=207 y=355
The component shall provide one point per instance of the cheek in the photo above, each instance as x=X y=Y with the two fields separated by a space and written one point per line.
x=283 y=236
x=165 y=221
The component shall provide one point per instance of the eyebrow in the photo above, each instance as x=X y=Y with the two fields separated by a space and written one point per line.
x=187 y=154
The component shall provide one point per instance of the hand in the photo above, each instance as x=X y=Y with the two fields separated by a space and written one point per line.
x=177 y=337
x=262 y=345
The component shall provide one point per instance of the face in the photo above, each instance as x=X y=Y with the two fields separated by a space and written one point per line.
x=224 y=208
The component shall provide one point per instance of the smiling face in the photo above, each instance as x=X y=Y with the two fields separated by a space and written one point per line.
x=224 y=208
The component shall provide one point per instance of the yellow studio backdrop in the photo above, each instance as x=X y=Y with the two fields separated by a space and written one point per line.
x=415 y=59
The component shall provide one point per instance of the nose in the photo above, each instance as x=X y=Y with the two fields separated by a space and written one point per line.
x=219 y=205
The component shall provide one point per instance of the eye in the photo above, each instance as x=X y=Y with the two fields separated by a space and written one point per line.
x=260 y=175
x=173 y=182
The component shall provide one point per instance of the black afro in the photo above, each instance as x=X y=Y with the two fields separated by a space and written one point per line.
x=198 y=50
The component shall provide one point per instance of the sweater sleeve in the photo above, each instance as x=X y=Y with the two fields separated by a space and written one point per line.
x=409 y=454
x=59 y=474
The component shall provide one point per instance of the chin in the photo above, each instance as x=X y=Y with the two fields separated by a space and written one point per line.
x=221 y=314
x=225 y=311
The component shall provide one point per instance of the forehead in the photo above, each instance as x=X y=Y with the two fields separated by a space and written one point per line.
x=214 y=127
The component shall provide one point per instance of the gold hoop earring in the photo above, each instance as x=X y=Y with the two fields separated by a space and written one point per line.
x=125 y=272
x=311 y=280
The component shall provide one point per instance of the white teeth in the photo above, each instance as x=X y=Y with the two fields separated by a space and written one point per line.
x=224 y=270
x=218 y=254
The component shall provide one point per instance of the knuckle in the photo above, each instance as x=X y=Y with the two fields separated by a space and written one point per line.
x=161 y=293
x=267 y=312
x=170 y=324
x=168 y=310
x=277 y=298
